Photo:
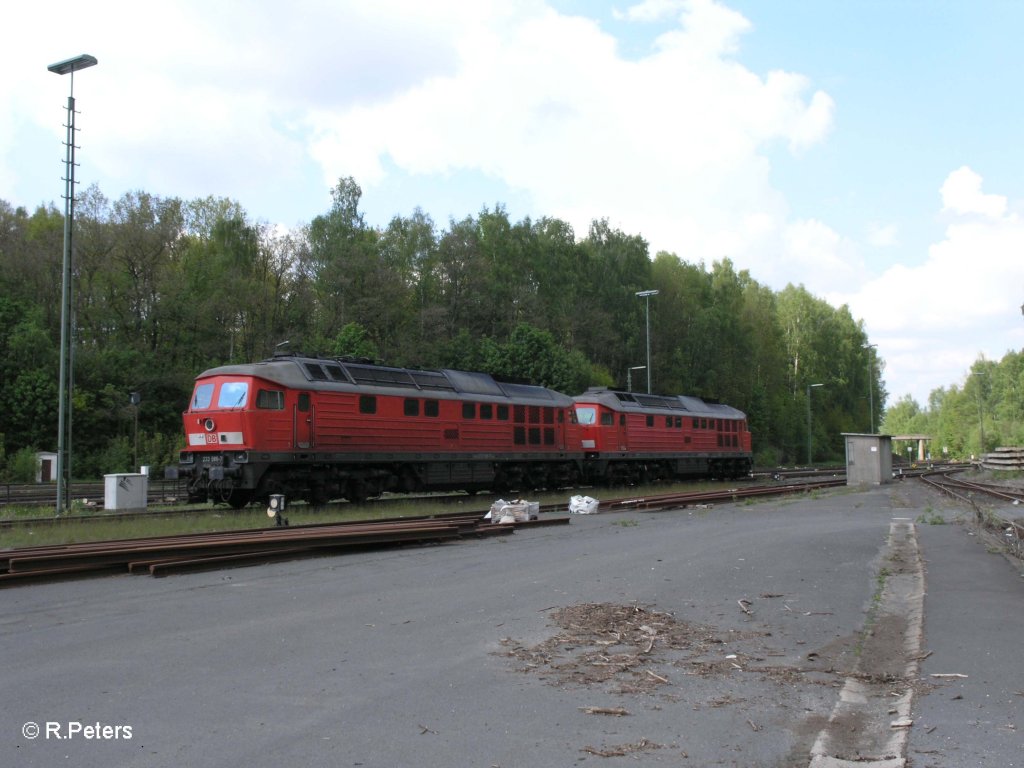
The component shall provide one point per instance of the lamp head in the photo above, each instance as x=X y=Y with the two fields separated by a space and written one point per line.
x=73 y=65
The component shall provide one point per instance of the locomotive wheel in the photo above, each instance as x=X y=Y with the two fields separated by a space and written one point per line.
x=355 y=491
x=238 y=498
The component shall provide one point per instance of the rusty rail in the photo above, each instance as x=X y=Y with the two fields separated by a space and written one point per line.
x=167 y=554
x=964 y=490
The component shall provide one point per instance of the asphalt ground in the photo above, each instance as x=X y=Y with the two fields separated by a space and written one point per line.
x=698 y=637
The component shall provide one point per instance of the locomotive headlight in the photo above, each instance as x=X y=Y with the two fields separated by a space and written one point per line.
x=209 y=425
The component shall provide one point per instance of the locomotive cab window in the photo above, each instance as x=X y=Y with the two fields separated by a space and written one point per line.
x=607 y=419
x=587 y=415
x=270 y=399
x=203 y=397
x=233 y=394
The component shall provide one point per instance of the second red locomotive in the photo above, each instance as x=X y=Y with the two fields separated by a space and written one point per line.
x=631 y=438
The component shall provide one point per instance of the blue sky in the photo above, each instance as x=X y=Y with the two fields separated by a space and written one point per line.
x=867 y=150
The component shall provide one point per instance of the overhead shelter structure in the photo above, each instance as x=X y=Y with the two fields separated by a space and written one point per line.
x=922 y=440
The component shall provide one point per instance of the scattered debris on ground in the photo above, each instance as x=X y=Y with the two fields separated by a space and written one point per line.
x=631 y=649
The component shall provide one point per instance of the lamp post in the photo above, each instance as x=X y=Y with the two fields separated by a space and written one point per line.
x=871 y=383
x=647 y=295
x=981 y=415
x=67 y=67
x=809 y=388
x=135 y=398
x=629 y=376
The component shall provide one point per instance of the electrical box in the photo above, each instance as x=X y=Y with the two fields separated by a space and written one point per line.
x=125 y=491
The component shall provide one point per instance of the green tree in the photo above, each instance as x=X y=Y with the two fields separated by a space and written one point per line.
x=352 y=340
x=343 y=264
x=532 y=355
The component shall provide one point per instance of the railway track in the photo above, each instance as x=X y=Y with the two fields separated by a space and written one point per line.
x=88 y=495
x=162 y=555
x=1011 y=530
x=159 y=556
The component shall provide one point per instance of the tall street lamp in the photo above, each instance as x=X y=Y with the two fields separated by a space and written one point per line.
x=981 y=415
x=629 y=376
x=809 y=388
x=647 y=295
x=67 y=67
x=871 y=383
x=135 y=398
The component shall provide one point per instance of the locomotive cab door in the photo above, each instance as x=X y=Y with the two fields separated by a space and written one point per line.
x=303 y=421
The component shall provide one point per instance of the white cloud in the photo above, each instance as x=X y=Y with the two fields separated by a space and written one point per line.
x=932 y=321
x=670 y=145
x=961 y=193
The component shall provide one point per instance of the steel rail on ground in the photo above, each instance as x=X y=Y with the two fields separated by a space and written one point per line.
x=966 y=491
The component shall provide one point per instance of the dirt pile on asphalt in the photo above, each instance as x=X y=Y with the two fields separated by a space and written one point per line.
x=629 y=649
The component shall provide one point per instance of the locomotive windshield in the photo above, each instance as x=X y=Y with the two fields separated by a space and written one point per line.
x=586 y=414
x=233 y=394
x=203 y=397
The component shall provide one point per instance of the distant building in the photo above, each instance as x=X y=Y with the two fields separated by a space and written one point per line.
x=46 y=467
x=868 y=459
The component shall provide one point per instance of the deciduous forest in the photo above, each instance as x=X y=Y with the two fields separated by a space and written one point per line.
x=165 y=288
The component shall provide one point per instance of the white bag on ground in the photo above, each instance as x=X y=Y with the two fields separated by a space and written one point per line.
x=583 y=505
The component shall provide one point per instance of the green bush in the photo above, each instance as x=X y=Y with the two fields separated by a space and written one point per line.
x=21 y=467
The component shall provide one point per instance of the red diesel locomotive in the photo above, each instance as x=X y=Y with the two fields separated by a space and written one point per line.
x=316 y=429
x=319 y=429
x=629 y=437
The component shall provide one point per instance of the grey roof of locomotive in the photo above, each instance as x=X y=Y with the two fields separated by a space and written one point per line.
x=638 y=402
x=340 y=374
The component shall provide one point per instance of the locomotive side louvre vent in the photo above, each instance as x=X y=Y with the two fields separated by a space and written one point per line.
x=432 y=380
x=315 y=371
x=336 y=372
